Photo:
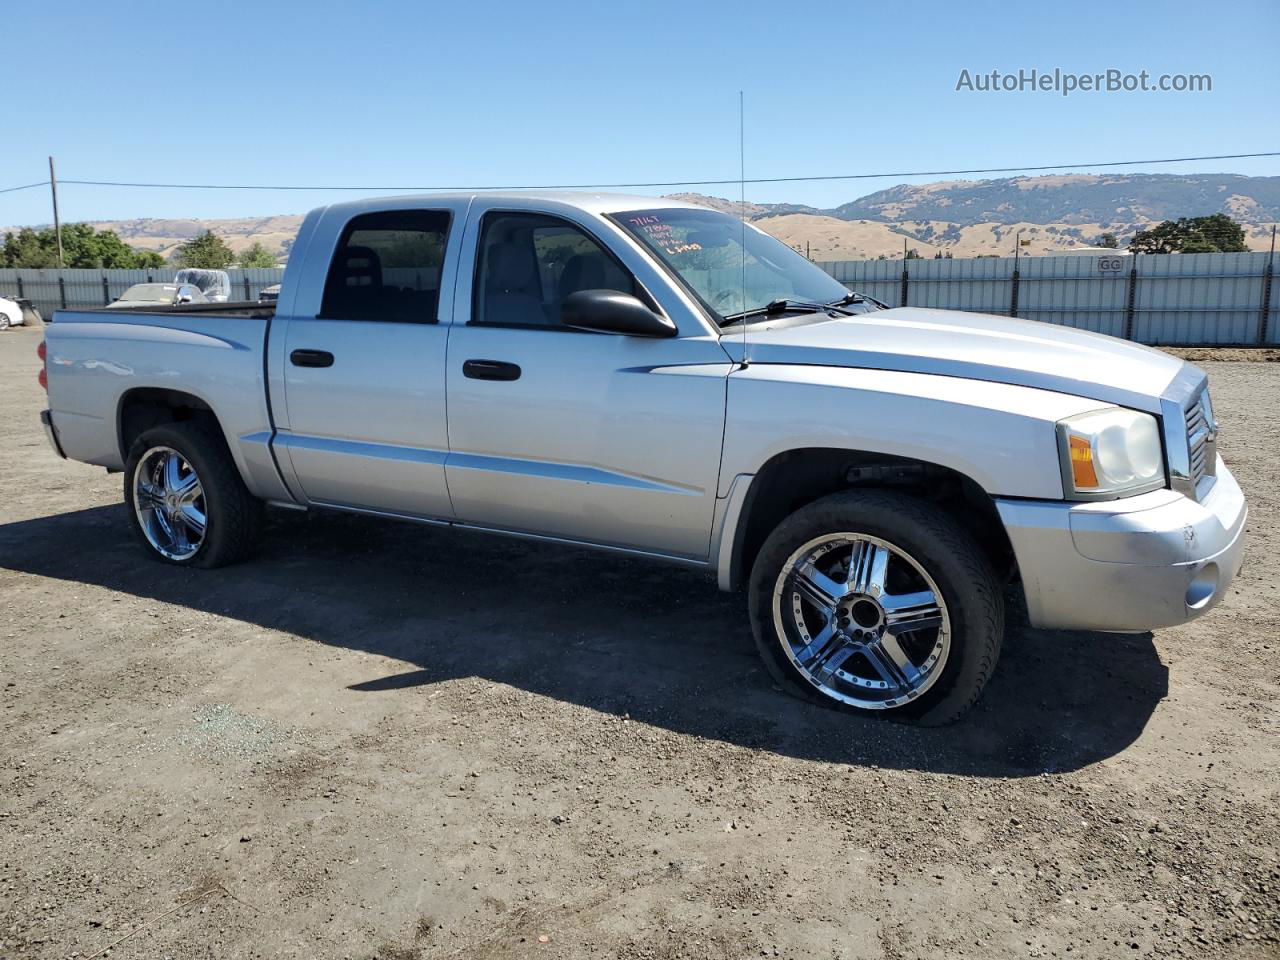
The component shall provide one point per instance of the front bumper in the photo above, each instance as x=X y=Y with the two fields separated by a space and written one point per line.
x=1139 y=563
x=51 y=432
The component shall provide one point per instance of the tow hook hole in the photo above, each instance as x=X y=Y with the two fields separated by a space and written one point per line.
x=1203 y=586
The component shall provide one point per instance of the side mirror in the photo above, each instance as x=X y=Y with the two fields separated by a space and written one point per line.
x=610 y=311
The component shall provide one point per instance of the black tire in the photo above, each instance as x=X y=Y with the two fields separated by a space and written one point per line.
x=941 y=547
x=234 y=515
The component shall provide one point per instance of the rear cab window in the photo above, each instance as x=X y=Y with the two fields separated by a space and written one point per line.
x=387 y=267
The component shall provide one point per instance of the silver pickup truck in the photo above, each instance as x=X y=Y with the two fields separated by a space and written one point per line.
x=658 y=379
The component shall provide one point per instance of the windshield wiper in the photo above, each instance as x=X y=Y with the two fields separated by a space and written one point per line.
x=852 y=298
x=847 y=299
x=775 y=307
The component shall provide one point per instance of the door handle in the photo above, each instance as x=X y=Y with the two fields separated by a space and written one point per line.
x=311 y=358
x=490 y=370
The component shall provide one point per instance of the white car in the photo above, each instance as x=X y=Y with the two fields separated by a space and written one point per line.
x=158 y=295
x=10 y=314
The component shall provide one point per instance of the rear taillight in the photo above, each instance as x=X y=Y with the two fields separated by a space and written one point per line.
x=43 y=353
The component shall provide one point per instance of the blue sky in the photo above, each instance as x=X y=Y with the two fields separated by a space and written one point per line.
x=475 y=93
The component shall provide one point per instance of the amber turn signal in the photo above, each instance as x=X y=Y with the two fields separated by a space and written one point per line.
x=1082 y=471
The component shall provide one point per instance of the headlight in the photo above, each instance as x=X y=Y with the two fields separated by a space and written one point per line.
x=1110 y=453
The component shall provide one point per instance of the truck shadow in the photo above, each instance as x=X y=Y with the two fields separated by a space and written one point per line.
x=622 y=636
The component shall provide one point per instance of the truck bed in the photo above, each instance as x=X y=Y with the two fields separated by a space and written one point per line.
x=236 y=308
x=100 y=360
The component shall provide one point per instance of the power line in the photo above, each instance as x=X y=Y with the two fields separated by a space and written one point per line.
x=25 y=186
x=655 y=183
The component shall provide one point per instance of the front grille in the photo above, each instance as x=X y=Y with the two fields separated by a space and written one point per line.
x=1197 y=434
x=1190 y=433
x=1201 y=445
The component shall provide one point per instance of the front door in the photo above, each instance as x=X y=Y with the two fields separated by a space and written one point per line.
x=601 y=438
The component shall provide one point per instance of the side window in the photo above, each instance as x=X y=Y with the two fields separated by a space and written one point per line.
x=387 y=267
x=529 y=263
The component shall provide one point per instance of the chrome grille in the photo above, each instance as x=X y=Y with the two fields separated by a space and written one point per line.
x=1197 y=434
x=1190 y=445
x=1201 y=439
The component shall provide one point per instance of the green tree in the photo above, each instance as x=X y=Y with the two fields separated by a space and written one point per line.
x=1168 y=237
x=1223 y=232
x=1109 y=241
x=1198 y=244
x=148 y=260
x=207 y=250
x=1214 y=234
x=82 y=246
x=256 y=255
x=913 y=254
x=85 y=247
x=25 y=250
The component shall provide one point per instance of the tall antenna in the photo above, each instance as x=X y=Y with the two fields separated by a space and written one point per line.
x=742 y=213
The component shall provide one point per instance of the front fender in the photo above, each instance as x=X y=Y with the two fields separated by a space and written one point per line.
x=999 y=435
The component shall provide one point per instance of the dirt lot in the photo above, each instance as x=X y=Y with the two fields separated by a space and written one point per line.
x=381 y=741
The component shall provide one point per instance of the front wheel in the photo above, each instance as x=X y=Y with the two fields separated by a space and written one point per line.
x=185 y=498
x=877 y=603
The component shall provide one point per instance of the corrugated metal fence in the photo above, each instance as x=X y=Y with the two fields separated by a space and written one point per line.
x=1186 y=299
x=51 y=290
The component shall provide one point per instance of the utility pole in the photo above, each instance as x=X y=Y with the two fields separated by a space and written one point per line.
x=57 y=224
x=1268 y=272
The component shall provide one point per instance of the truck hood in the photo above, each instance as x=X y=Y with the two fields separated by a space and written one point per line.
x=976 y=346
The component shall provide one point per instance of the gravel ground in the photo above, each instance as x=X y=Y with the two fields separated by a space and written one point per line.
x=382 y=741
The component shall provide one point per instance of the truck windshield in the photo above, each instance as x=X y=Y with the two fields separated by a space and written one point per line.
x=705 y=250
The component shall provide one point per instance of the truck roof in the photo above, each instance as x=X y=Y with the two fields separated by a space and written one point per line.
x=597 y=203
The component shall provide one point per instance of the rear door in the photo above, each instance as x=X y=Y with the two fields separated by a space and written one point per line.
x=363 y=420
x=602 y=438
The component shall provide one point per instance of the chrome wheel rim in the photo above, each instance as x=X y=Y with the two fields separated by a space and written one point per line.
x=169 y=502
x=861 y=620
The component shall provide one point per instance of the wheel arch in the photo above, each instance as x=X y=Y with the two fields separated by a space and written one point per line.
x=793 y=478
x=141 y=408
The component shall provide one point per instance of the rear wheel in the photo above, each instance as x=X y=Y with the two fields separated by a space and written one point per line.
x=185 y=499
x=877 y=603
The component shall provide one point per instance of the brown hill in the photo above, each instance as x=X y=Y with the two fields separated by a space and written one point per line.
x=164 y=236
x=965 y=218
